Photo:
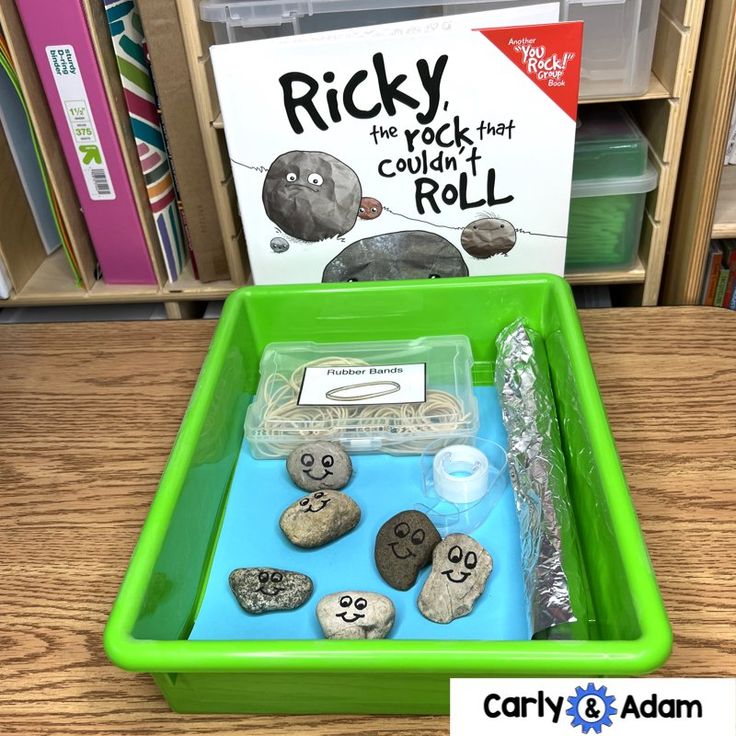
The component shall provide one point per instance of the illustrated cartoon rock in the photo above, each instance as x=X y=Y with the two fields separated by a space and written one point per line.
x=460 y=568
x=407 y=254
x=319 y=465
x=264 y=589
x=355 y=614
x=488 y=236
x=311 y=195
x=369 y=209
x=404 y=546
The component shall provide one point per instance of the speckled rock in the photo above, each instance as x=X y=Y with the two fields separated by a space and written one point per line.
x=354 y=614
x=263 y=589
x=319 y=518
x=460 y=568
x=404 y=546
x=319 y=466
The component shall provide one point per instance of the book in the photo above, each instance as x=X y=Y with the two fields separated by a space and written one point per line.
x=382 y=153
x=712 y=269
x=23 y=142
x=165 y=42
x=145 y=121
x=65 y=57
x=723 y=277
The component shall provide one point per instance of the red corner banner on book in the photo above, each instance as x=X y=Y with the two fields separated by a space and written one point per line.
x=548 y=55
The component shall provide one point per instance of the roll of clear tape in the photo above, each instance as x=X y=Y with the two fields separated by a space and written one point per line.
x=463 y=483
x=461 y=474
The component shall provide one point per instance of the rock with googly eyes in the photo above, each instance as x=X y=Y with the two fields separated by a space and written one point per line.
x=460 y=569
x=319 y=518
x=319 y=466
x=353 y=614
x=264 y=589
x=404 y=546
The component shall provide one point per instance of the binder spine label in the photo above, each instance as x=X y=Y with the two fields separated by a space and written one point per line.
x=73 y=96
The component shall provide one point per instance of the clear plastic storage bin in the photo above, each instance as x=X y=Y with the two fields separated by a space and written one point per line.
x=618 y=39
x=611 y=178
x=394 y=396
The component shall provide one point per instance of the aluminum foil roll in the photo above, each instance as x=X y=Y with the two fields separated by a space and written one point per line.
x=538 y=476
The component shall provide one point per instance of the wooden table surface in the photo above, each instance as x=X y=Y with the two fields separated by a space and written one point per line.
x=88 y=413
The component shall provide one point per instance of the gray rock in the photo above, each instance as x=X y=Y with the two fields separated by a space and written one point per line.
x=319 y=466
x=404 y=546
x=319 y=518
x=263 y=589
x=354 y=614
x=407 y=254
x=279 y=245
x=311 y=195
x=488 y=237
x=460 y=568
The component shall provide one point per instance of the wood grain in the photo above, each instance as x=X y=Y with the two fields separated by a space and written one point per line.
x=88 y=414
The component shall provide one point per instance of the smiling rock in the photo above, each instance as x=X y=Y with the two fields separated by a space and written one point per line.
x=319 y=518
x=404 y=546
x=355 y=614
x=263 y=589
x=319 y=466
x=460 y=568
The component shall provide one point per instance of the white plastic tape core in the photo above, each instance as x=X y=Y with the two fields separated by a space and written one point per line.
x=461 y=473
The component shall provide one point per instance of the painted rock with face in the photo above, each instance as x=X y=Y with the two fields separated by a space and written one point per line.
x=404 y=546
x=263 y=589
x=319 y=466
x=356 y=615
x=460 y=568
x=319 y=518
x=311 y=195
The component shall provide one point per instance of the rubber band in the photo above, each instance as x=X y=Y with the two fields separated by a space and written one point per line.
x=393 y=387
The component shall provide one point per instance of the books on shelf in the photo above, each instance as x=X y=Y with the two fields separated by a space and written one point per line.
x=145 y=121
x=381 y=159
x=719 y=280
x=22 y=140
x=67 y=62
x=165 y=41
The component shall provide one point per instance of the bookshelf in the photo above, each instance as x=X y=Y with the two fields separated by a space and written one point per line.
x=661 y=112
x=705 y=206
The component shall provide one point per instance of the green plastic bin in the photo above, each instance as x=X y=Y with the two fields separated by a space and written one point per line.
x=158 y=600
x=610 y=181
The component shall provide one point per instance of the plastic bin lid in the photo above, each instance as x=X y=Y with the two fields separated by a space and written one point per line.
x=254 y=13
x=608 y=144
x=616 y=184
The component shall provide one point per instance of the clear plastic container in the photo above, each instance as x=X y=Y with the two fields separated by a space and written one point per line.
x=605 y=222
x=347 y=393
x=618 y=40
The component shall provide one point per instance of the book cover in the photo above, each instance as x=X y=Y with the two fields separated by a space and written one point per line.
x=712 y=269
x=721 y=286
x=65 y=57
x=390 y=156
x=145 y=123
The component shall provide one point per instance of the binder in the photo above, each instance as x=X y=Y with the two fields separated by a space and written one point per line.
x=65 y=56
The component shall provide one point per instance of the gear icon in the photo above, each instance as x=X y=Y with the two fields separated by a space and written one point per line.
x=591 y=708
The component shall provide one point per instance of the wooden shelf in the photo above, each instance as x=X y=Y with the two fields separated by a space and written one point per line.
x=52 y=284
x=724 y=220
x=655 y=91
x=635 y=275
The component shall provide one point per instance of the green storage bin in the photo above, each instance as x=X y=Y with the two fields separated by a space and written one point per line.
x=147 y=631
x=610 y=181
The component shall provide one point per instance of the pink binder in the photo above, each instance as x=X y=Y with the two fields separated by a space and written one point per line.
x=62 y=47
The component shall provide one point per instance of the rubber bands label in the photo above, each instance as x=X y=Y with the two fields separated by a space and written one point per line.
x=363 y=385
